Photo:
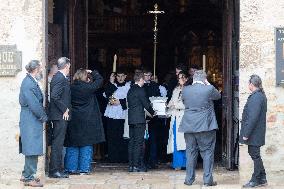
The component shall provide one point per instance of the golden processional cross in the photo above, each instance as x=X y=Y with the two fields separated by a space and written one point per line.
x=155 y=29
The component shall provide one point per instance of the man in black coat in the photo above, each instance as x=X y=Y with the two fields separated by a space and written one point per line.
x=59 y=108
x=254 y=128
x=137 y=102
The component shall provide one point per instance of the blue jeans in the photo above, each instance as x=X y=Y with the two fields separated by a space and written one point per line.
x=30 y=167
x=78 y=159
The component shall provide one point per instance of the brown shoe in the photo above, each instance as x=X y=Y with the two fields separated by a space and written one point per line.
x=33 y=183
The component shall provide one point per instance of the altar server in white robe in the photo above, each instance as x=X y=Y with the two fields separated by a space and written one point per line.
x=116 y=112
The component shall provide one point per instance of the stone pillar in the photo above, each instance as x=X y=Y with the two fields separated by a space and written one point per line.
x=23 y=23
x=258 y=19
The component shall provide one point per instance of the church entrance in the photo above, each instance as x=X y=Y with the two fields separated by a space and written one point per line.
x=197 y=33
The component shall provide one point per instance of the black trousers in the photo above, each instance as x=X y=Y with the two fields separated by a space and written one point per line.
x=135 y=146
x=259 y=171
x=117 y=145
x=152 y=143
x=59 y=131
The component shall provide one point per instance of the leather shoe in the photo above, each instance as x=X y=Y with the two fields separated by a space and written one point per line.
x=139 y=169
x=187 y=183
x=252 y=184
x=211 y=184
x=33 y=183
x=58 y=175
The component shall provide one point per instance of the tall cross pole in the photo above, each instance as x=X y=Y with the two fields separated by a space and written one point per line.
x=155 y=29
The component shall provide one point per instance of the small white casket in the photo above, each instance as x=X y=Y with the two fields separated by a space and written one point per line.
x=159 y=105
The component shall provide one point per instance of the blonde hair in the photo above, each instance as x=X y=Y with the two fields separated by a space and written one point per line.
x=81 y=75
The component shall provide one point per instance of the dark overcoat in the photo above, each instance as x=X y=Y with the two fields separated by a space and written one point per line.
x=253 y=124
x=85 y=127
x=59 y=97
x=32 y=117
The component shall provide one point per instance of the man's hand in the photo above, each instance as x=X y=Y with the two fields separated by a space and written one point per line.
x=245 y=138
x=66 y=115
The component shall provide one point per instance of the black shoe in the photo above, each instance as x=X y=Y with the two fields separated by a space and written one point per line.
x=252 y=184
x=187 y=183
x=135 y=169
x=211 y=184
x=152 y=166
x=72 y=172
x=263 y=182
x=142 y=169
x=58 y=175
x=130 y=169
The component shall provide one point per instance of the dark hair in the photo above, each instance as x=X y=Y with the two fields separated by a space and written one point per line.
x=181 y=67
x=194 y=66
x=138 y=76
x=146 y=70
x=256 y=81
x=185 y=75
x=32 y=65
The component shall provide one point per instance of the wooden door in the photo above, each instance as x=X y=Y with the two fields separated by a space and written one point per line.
x=78 y=34
x=229 y=137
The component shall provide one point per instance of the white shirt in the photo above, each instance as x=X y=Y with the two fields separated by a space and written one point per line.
x=63 y=73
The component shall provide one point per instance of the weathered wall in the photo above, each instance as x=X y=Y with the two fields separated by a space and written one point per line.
x=258 y=19
x=21 y=24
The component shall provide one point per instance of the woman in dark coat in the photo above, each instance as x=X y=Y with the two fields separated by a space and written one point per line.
x=31 y=123
x=85 y=128
x=253 y=129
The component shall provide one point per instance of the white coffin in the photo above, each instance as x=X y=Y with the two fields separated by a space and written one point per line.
x=159 y=104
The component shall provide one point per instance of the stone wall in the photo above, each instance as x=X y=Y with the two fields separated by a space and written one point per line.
x=258 y=19
x=22 y=23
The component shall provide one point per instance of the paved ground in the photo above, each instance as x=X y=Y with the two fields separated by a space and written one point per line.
x=117 y=177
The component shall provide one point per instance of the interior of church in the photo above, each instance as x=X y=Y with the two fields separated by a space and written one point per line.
x=197 y=33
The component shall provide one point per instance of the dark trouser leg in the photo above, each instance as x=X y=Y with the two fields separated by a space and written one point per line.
x=153 y=126
x=131 y=145
x=30 y=167
x=259 y=171
x=139 y=131
x=206 y=144
x=191 y=156
x=59 y=131
x=117 y=145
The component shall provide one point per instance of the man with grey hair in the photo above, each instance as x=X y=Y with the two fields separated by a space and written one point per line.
x=199 y=126
x=59 y=108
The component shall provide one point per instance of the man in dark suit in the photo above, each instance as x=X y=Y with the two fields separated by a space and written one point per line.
x=137 y=102
x=254 y=128
x=199 y=126
x=59 y=108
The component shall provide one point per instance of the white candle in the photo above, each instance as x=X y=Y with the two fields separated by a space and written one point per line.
x=114 y=63
x=204 y=63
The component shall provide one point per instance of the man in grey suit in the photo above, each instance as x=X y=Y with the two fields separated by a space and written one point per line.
x=199 y=126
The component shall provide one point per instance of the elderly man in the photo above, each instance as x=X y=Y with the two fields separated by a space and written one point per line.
x=199 y=126
x=59 y=111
